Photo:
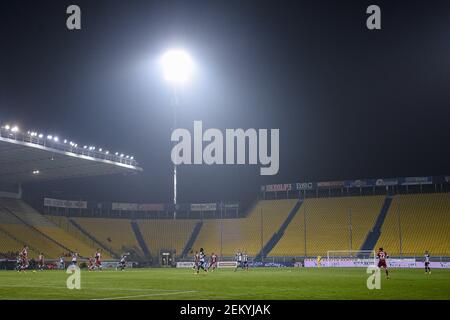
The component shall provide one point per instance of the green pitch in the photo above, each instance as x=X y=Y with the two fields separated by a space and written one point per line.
x=263 y=283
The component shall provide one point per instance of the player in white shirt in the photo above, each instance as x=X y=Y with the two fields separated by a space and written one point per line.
x=122 y=262
x=238 y=258
x=245 y=261
x=201 y=262
x=427 y=263
x=74 y=258
x=61 y=263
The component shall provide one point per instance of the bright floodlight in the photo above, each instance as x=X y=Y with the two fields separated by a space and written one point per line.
x=177 y=66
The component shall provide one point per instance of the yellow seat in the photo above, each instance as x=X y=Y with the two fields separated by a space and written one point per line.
x=166 y=234
x=250 y=234
x=328 y=225
x=422 y=220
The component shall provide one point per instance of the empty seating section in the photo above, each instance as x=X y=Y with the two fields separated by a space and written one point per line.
x=250 y=234
x=50 y=229
x=69 y=241
x=35 y=239
x=26 y=213
x=10 y=245
x=115 y=234
x=72 y=237
x=166 y=234
x=24 y=233
x=414 y=223
x=424 y=221
x=328 y=223
x=28 y=226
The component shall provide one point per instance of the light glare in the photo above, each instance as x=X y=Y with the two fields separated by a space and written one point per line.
x=177 y=66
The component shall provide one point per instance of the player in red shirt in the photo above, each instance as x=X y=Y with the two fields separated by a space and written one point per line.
x=24 y=258
x=382 y=256
x=196 y=260
x=98 y=262
x=41 y=261
x=213 y=262
x=91 y=263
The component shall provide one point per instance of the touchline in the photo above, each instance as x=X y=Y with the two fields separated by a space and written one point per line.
x=213 y=152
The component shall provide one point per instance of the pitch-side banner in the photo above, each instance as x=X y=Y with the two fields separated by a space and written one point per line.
x=234 y=205
x=185 y=264
x=416 y=180
x=358 y=263
x=227 y=264
x=304 y=185
x=386 y=182
x=359 y=183
x=203 y=206
x=278 y=187
x=49 y=202
x=138 y=206
x=330 y=184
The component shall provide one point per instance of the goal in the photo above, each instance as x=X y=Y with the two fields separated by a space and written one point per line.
x=367 y=255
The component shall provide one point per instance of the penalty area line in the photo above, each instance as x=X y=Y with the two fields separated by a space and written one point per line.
x=146 y=295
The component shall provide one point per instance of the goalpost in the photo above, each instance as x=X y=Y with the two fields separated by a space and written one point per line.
x=355 y=255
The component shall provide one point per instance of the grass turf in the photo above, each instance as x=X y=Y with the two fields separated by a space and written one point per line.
x=258 y=284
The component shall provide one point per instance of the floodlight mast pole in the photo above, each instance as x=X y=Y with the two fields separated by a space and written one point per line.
x=177 y=66
x=174 y=102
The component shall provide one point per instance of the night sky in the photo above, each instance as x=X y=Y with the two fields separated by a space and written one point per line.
x=349 y=102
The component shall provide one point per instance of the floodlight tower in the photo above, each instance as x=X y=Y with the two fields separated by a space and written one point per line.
x=177 y=67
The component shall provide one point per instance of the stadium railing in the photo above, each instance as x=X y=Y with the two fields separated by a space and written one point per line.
x=66 y=146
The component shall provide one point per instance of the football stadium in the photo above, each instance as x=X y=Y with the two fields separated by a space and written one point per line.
x=217 y=156
x=294 y=233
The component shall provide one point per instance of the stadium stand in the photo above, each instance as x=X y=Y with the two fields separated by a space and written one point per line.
x=66 y=224
x=190 y=243
x=27 y=234
x=166 y=234
x=140 y=239
x=340 y=223
x=422 y=221
x=375 y=232
x=29 y=226
x=327 y=225
x=279 y=234
x=10 y=246
x=115 y=234
x=250 y=234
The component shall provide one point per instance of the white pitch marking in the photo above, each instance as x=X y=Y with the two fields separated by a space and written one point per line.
x=146 y=295
x=89 y=288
